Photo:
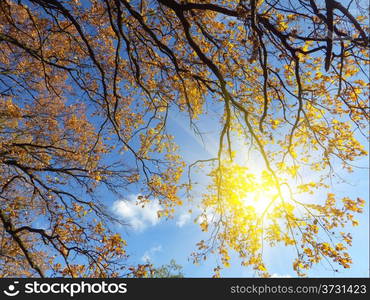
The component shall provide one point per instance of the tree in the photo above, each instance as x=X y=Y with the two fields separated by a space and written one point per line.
x=86 y=89
x=171 y=270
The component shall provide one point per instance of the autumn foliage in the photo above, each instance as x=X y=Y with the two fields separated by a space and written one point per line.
x=86 y=88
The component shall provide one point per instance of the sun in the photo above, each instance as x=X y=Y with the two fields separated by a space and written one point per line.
x=260 y=200
x=246 y=191
x=259 y=194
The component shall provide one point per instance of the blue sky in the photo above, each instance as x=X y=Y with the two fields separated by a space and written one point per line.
x=159 y=241
x=162 y=240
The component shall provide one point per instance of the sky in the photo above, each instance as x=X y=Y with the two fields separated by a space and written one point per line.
x=158 y=240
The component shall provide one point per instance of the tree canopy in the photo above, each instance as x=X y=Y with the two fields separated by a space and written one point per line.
x=86 y=90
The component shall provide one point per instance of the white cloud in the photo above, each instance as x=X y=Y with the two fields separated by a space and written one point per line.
x=147 y=257
x=183 y=219
x=137 y=216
